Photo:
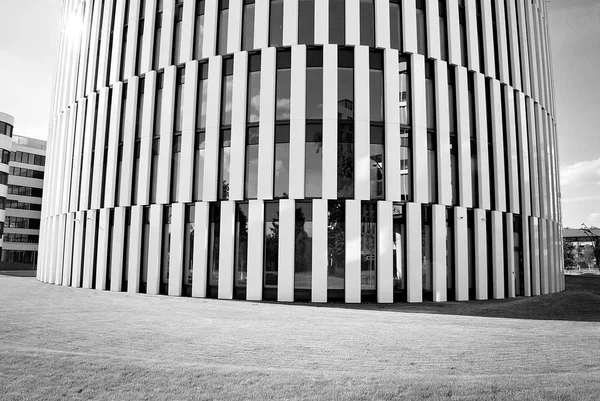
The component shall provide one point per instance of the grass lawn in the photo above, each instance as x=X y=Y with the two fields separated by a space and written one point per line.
x=59 y=342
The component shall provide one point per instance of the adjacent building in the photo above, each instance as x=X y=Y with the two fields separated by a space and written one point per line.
x=304 y=150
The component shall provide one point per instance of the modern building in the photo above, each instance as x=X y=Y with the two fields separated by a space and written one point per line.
x=7 y=124
x=304 y=150
x=23 y=203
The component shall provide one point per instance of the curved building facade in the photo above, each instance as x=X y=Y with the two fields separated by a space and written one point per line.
x=304 y=150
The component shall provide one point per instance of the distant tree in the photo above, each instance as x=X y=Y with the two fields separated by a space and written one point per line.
x=595 y=239
x=569 y=254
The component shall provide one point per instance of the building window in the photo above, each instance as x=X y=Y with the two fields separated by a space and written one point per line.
x=282 y=161
x=177 y=32
x=140 y=38
x=214 y=232
x=462 y=18
x=145 y=248
x=157 y=34
x=431 y=131
x=314 y=160
x=271 y=253
x=368 y=257
x=252 y=129
x=427 y=252
x=165 y=259
x=454 y=172
x=200 y=134
x=336 y=250
x=399 y=252
x=405 y=131
x=377 y=129
x=156 y=137
x=248 y=25
x=188 y=249
x=241 y=250
x=276 y=23
x=421 y=28
x=225 y=135
x=473 y=135
x=303 y=252
x=345 y=123
x=199 y=29
x=223 y=26
x=306 y=22
x=337 y=19
x=443 y=30
x=367 y=23
x=176 y=145
x=396 y=24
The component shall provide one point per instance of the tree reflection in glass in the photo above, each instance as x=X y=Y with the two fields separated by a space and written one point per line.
x=303 y=247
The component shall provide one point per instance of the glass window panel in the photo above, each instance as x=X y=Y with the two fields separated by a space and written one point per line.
x=303 y=246
x=201 y=103
x=405 y=165
x=251 y=181
x=376 y=95
x=223 y=27
x=399 y=247
x=271 y=244
x=395 y=26
x=283 y=92
x=241 y=245
x=421 y=28
x=248 y=27
x=224 y=157
x=313 y=161
x=199 y=165
x=199 y=37
x=306 y=22
x=336 y=251
x=253 y=112
x=188 y=249
x=345 y=159
x=214 y=228
x=276 y=23
x=432 y=165
x=337 y=18
x=367 y=23
x=427 y=251
x=282 y=161
x=368 y=237
x=443 y=30
x=226 y=100
x=314 y=90
x=377 y=172
x=404 y=95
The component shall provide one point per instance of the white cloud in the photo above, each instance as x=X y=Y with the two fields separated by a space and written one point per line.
x=594 y=218
x=581 y=174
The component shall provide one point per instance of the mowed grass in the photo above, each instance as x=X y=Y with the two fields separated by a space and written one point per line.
x=58 y=342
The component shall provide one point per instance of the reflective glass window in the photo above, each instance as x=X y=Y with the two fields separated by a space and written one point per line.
x=248 y=25
x=376 y=86
x=368 y=240
x=283 y=85
x=241 y=249
x=395 y=24
x=188 y=249
x=443 y=30
x=251 y=179
x=399 y=250
x=214 y=241
x=282 y=161
x=336 y=250
x=224 y=164
x=313 y=161
x=306 y=22
x=303 y=251
x=404 y=91
x=223 y=26
x=337 y=25
x=421 y=28
x=377 y=174
x=177 y=33
x=271 y=253
x=367 y=23
x=314 y=84
x=276 y=23
x=199 y=29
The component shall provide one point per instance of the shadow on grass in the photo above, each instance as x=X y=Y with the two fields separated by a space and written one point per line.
x=18 y=273
x=580 y=302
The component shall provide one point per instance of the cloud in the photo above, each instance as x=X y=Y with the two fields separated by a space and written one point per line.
x=594 y=218
x=581 y=174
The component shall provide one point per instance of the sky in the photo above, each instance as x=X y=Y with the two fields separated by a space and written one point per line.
x=29 y=33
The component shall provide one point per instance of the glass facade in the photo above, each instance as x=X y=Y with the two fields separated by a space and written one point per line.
x=333 y=109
